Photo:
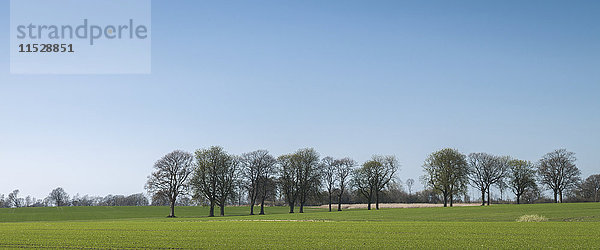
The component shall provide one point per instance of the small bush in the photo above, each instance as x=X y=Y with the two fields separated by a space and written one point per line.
x=532 y=218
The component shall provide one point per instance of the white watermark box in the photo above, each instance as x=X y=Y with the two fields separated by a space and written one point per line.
x=80 y=36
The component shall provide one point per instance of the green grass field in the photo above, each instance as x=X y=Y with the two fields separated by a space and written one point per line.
x=568 y=226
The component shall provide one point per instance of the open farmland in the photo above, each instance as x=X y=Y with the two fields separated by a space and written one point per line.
x=568 y=226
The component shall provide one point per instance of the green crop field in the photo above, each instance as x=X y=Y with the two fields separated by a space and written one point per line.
x=568 y=226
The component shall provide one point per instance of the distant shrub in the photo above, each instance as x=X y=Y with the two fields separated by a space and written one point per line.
x=532 y=218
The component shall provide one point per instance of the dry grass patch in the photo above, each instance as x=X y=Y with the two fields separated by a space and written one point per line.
x=286 y=220
x=397 y=205
x=532 y=218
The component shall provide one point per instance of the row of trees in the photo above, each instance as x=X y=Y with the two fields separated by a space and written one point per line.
x=448 y=172
x=393 y=193
x=215 y=178
x=214 y=175
x=58 y=197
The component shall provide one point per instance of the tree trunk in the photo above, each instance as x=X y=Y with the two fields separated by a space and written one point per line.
x=377 y=200
x=211 y=212
x=518 y=199
x=483 y=197
x=222 y=208
x=445 y=200
x=340 y=200
x=489 y=196
x=369 y=202
x=251 y=207
x=262 y=206
x=560 y=195
x=301 y=207
x=555 y=196
x=291 y=204
x=330 y=201
x=172 y=214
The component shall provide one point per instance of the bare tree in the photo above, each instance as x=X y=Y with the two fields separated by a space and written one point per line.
x=344 y=168
x=28 y=201
x=478 y=162
x=241 y=189
x=3 y=202
x=288 y=179
x=226 y=179
x=446 y=172
x=374 y=176
x=256 y=166
x=364 y=180
x=309 y=174
x=558 y=172
x=384 y=173
x=215 y=176
x=268 y=188
x=409 y=184
x=251 y=174
x=267 y=183
x=59 y=197
x=299 y=176
x=329 y=166
x=502 y=186
x=591 y=187
x=499 y=173
x=13 y=199
x=521 y=178
x=486 y=170
x=204 y=181
x=170 y=177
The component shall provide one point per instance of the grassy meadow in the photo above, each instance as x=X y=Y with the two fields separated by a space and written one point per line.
x=568 y=226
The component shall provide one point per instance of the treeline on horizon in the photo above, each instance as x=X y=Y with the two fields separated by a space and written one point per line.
x=216 y=178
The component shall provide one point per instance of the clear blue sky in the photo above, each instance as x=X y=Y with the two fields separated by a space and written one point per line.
x=349 y=78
